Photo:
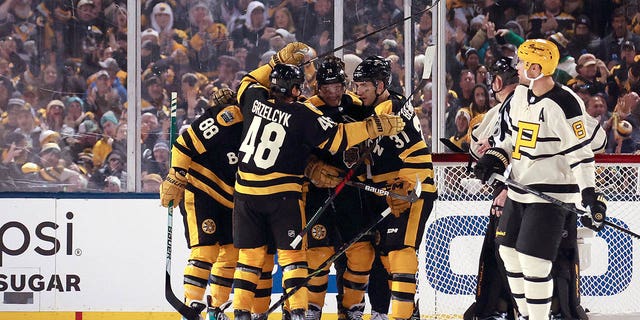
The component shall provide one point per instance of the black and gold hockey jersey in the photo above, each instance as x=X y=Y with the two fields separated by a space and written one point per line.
x=403 y=155
x=208 y=149
x=550 y=144
x=277 y=139
x=349 y=110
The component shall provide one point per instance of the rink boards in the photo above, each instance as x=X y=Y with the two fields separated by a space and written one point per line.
x=97 y=258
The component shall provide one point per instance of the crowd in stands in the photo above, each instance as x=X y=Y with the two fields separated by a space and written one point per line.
x=63 y=80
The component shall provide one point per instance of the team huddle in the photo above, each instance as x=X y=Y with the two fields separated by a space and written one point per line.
x=249 y=173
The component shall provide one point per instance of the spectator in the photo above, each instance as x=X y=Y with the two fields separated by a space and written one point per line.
x=159 y=164
x=254 y=33
x=151 y=183
x=154 y=97
x=54 y=116
x=102 y=96
x=459 y=139
x=15 y=153
x=117 y=76
x=190 y=105
x=150 y=131
x=620 y=140
x=103 y=147
x=81 y=33
x=583 y=41
x=114 y=166
x=610 y=45
x=592 y=73
x=162 y=22
x=550 y=20
x=282 y=20
x=596 y=107
x=617 y=82
x=10 y=117
x=230 y=13
x=466 y=84
x=112 y=184
x=27 y=125
x=73 y=83
x=567 y=65
x=49 y=84
x=207 y=38
x=227 y=68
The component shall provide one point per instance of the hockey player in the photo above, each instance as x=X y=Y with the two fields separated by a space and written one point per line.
x=493 y=298
x=204 y=163
x=278 y=135
x=546 y=132
x=398 y=162
x=346 y=216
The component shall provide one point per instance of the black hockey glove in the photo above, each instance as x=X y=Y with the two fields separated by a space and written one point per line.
x=597 y=207
x=494 y=160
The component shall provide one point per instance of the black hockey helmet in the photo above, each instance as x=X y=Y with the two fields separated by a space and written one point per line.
x=285 y=77
x=374 y=68
x=504 y=67
x=331 y=70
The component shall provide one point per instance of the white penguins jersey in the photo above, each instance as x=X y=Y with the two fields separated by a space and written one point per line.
x=549 y=143
x=492 y=127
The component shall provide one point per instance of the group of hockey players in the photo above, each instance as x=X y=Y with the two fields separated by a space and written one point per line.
x=250 y=172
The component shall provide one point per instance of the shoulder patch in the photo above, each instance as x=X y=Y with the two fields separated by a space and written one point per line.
x=311 y=107
x=567 y=101
x=228 y=116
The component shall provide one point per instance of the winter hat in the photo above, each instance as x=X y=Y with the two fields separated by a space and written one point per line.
x=49 y=136
x=108 y=116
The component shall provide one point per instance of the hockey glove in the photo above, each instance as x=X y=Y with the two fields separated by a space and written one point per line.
x=597 y=207
x=172 y=188
x=321 y=174
x=293 y=53
x=494 y=160
x=402 y=187
x=383 y=125
x=223 y=96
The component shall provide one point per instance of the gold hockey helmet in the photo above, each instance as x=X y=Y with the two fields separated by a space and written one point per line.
x=542 y=52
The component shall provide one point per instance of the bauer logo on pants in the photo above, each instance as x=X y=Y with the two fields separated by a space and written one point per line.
x=209 y=226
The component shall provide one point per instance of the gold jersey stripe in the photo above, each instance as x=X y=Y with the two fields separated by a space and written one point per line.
x=213 y=177
x=263 y=177
x=262 y=191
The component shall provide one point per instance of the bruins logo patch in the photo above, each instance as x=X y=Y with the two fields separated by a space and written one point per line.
x=319 y=232
x=209 y=226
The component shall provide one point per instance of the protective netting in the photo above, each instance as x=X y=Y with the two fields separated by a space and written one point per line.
x=454 y=234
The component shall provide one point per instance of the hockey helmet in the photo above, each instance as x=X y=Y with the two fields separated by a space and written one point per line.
x=542 y=52
x=331 y=70
x=374 y=68
x=285 y=77
x=505 y=67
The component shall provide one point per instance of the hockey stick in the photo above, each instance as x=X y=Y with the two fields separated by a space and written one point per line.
x=287 y=294
x=176 y=303
x=352 y=42
x=411 y=197
x=555 y=201
x=327 y=202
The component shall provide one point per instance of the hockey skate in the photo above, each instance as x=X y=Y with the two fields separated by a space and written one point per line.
x=556 y=316
x=355 y=312
x=496 y=316
x=217 y=313
x=313 y=313
x=375 y=315
x=241 y=315
x=198 y=307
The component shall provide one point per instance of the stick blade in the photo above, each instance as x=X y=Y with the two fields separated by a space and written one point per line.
x=429 y=55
